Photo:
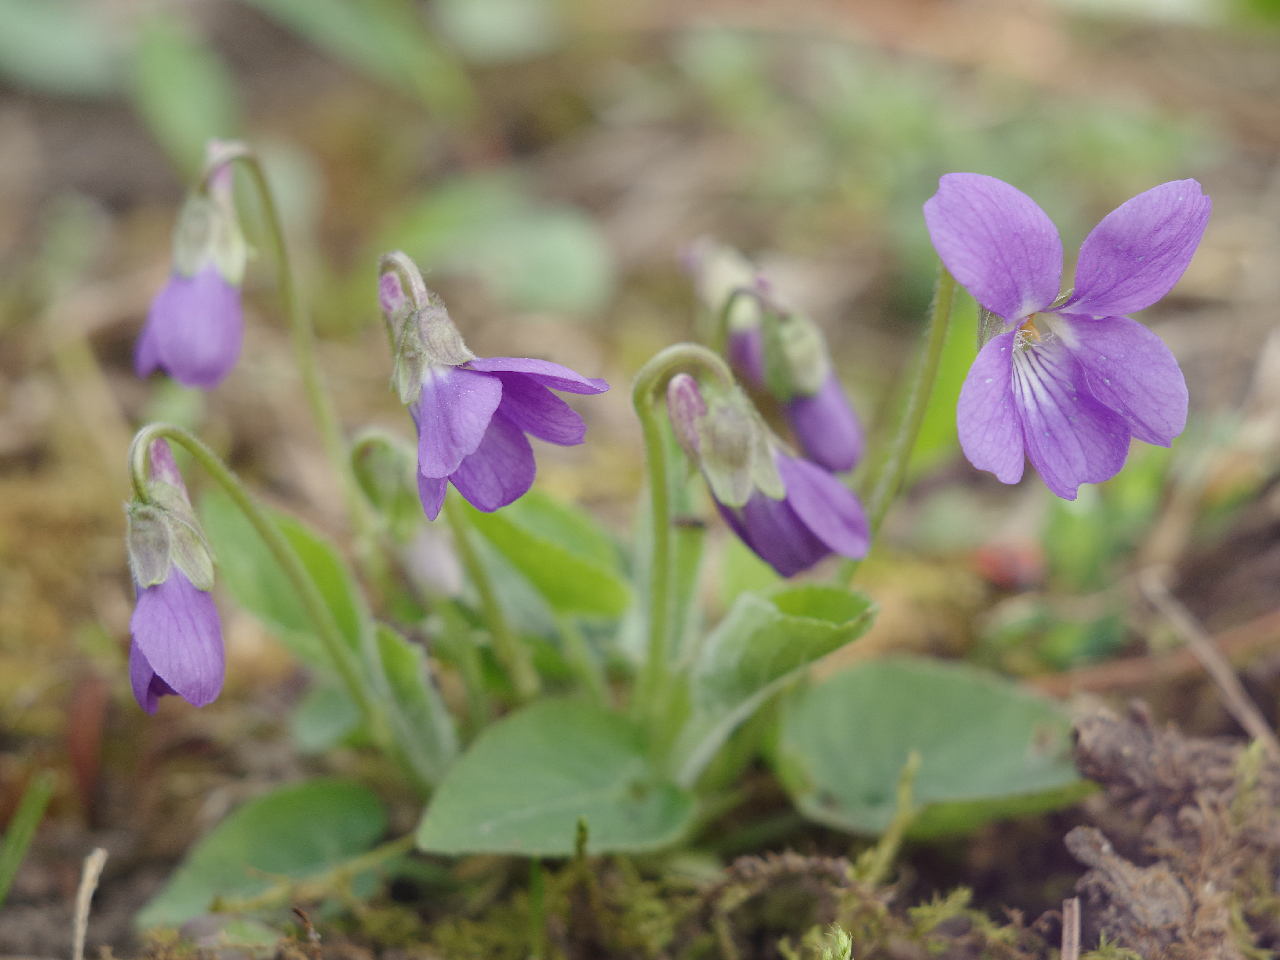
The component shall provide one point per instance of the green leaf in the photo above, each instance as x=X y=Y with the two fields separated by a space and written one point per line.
x=527 y=780
x=497 y=31
x=296 y=831
x=988 y=748
x=760 y=646
x=531 y=255
x=426 y=731
x=22 y=828
x=562 y=552
x=250 y=573
x=183 y=91
x=324 y=718
x=59 y=46
x=386 y=40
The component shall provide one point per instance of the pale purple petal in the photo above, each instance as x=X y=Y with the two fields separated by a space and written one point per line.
x=431 y=491
x=826 y=506
x=1129 y=369
x=146 y=355
x=548 y=374
x=1070 y=437
x=453 y=413
x=987 y=416
x=996 y=242
x=776 y=533
x=197 y=329
x=500 y=471
x=1140 y=250
x=826 y=427
x=745 y=351
x=147 y=687
x=537 y=411
x=164 y=467
x=178 y=633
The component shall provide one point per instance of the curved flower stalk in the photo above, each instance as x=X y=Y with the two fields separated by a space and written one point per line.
x=779 y=351
x=176 y=635
x=195 y=326
x=790 y=512
x=473 y=415
x=1069 y=381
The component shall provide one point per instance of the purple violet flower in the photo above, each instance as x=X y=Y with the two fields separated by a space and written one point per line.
x=176 y=635
x=195 y=326
x=1066 y=384
x=472 y=414
x=790 y=512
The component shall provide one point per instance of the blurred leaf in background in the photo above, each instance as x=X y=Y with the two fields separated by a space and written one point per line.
x=60 y=47
x=498 y=31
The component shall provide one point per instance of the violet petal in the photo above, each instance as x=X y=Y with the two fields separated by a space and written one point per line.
x=548 y=374
x=744 y=350
x=1130 y=370
x=537 y=411
x=178 y=632
x=500 y=471
x=146 y=355
x=826 y=427
x=431 y=491
x=1140 y=250
x=996 y=242
x=987 y=414
x=147 y=687
x=825 y=506
x=1070 y=437
x=454 y=411
x=198 y=328
x=775 y=533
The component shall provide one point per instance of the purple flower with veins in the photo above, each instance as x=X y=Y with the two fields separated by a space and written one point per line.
x=195 y=326
x=474 y=415
x=1066 y=384
x=175 y=633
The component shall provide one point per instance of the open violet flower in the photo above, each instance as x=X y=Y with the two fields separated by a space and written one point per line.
x=1066 y=384
x=175 y=632
x=195 y=326
x=474 y=415
x=790 y=512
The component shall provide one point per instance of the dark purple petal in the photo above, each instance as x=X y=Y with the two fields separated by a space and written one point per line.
x=1070 y=437
x=453 y=413
x=146 y=355
x=431 y=491
x=147 y=687
x=1140 y=250
x=500 y=471
x=996 y=242
x=826 y=427
x=745 y=352
x=548 y=374
x=1130 y=370
x=537 y=411
x=987 y=415
x=196 y=326
x=775 y=533
x=826 y=506
x=179 y=635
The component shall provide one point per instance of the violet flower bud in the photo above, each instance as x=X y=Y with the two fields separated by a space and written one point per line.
x=176 y=635
x=474 y=415
x=195 y=326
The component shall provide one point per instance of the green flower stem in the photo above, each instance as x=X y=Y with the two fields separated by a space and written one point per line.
x=22 y=828
x=511 y=653
x=648 y=393
x=335 y=882
x=303 y=335
x=335 y=644
x=583 y=661
x=879 y=494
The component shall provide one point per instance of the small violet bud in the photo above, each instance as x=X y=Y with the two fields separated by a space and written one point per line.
x=195 y=326
x=790 y=512
x=176 y=635
x=474 y=415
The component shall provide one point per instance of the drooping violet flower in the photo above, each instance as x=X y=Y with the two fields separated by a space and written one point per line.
x=1066 y=384
x=790 y=512
x=176 y=635
x=195 y=326
x=778 y=351
x=472 y=413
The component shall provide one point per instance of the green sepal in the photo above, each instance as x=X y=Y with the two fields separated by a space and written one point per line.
x=190 y=552
x=148 y=544
x=427 y=339
x=209 y=230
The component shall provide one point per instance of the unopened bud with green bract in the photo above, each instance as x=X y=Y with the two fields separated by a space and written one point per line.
x=422 y=333
x=386 y=468
x=723 y=435
x=796 y=358
x=165 y=533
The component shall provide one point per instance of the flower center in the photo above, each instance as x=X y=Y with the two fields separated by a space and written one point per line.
x=1029 y=330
